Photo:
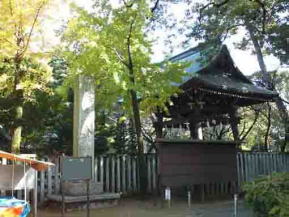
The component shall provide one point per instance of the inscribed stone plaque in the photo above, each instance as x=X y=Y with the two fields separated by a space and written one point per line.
x=76 y=168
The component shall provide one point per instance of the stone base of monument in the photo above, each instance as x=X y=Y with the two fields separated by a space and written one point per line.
x=79 y=202
x=80 y=188
x=75 y=196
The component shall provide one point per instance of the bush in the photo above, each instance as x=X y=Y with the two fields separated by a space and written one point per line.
x=269 y=196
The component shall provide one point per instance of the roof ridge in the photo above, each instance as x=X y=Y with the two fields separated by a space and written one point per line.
x=190 y=51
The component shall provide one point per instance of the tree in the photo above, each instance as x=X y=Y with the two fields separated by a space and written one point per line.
x=18 y=24
x=111 y=45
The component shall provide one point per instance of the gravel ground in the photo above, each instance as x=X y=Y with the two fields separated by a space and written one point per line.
x=150 y=208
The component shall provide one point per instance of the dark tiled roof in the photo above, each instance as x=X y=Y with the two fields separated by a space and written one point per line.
x=217 y=72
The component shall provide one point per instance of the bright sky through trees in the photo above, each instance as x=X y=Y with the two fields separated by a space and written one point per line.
x=243 y=59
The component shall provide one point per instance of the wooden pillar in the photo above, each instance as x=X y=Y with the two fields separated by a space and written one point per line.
x=194 y=129
x=234 y=123
x=158 y=124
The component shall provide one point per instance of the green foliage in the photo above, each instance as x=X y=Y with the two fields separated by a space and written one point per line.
x=218 y=20
x=258 y=133
x=269 y=195
x=34 y=77
x=97 y=45
x=124 y=138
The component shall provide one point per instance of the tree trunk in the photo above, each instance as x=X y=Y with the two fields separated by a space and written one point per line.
x=266 y=144
x=137 y=126
x=18 y=97
x=17 y=130
x=136 y=115
x=266 y=78
x=137 y=121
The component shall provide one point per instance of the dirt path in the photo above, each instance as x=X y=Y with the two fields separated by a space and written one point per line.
x=134 y=208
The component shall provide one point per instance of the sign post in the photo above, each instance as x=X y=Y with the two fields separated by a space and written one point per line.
x=76 y=169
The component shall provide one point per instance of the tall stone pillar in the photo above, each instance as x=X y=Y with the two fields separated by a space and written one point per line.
x=83 y=133
x=83 y=117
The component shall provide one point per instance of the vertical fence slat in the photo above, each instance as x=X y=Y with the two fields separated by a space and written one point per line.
x=49 y=181
x=148 y=173
x=238 y=169
x=271 y=164
x=134 y=172
x=154 y=172
x=107 y=177
x=96 y=169
x=42 y=181
x=255 y=163
x=118 y=174
x=102 y=171
x=56 y=179
x=113 y=174
x=4 y=162
x=283 y=163
x=129 y=188
x=247 y=165
x=123 y=173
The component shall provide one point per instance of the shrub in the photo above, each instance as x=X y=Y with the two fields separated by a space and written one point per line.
x=268 y=196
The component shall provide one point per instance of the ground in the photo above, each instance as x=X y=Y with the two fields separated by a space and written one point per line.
x=151 y=208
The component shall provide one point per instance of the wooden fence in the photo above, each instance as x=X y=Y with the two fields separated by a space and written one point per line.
x=119 y=173
x=251 y=165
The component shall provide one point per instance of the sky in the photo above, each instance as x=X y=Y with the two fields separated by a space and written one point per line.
x=244 y=60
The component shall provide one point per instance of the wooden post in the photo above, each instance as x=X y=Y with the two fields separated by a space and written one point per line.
x=235 y=204
x=189 y=197
x=35 y=194
x=42 y=190
x=158 y=125
x=194 y=129
x=88 y=200
x=168 y=196
x=113 y=173
x=203 y=192
x=62 y=198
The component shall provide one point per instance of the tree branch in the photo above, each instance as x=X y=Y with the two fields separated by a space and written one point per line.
x=130 y=62
x=214 y=4
x=32 y=27
x=121 y=59
x=262 y=4
x=155 y=6
x=127 y=5
x=251 y=127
